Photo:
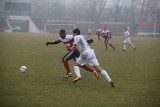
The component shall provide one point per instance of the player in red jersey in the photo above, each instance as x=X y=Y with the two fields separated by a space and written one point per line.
x=68 y=42
x=106 y=34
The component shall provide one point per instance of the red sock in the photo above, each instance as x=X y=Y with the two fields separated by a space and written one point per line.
x=111 y=45
x=66 y=66
x=88 y=68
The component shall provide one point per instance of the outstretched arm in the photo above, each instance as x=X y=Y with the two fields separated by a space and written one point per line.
x=52 y=43
x=90 y=41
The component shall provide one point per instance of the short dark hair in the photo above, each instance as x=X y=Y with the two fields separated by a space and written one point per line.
x=76 y=31
x=62 y=31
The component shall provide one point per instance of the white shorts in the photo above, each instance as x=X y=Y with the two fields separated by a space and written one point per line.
x=88 y=56
x=127 y=40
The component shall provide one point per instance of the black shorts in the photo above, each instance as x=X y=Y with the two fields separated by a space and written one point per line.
x=106 y=40
x=71 y=55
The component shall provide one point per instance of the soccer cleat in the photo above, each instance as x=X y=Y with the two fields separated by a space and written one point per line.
x=123 y=50
x=67 y=75
x=111 y=83
x=77 y=79
x=96 y=75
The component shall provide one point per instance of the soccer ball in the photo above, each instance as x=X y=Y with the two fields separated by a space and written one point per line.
x=23 y=69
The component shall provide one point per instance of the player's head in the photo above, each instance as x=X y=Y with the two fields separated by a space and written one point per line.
x=76 y=31
x=126 y=28
x=62 y=33
x=105 y=28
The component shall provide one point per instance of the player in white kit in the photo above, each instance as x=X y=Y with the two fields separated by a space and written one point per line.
x=87 y=56
x=127 y=39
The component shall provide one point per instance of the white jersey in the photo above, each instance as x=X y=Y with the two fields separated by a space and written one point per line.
x=127 y=37
x=81 y=43
x=126 y=34
x=87 y=54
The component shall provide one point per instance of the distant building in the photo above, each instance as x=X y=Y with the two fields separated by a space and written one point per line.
x=17 y=16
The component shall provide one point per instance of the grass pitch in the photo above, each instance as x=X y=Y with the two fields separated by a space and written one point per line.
x=136 y=74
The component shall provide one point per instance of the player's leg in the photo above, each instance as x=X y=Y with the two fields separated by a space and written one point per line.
x=81 y=61
x=88 y=68
x=94 y=62
x=65 y=60
x=99 y=39
x=110 y=44
x=124 y=45
x=129 y=41
x=77 y=72
x=133 y=46
x=105 y=74
x=75 y=55
x=105 y=42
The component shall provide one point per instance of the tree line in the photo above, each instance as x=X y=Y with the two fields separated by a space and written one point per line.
x=128 y=11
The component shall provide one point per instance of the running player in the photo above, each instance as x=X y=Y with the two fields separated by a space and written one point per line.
x=98 y=33
x=87 y=56
x=127 y=39
x=72 y=54
x=106 y=34
x=89 y=32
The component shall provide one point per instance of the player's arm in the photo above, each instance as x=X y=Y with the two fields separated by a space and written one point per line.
x=102 y=34
x=53 y=43
x=90 y=41
x=76 y=40
x=74 y=47
x=109 y=34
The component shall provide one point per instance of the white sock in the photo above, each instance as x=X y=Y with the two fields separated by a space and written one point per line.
x=105 y=74
x=124 y=47
x=69 y=73
x=132 y=45
x=77 y=71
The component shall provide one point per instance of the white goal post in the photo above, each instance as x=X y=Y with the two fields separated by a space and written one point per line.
x=55 y=28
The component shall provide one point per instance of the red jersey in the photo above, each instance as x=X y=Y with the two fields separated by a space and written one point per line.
x=106 y=34
x=67 y=41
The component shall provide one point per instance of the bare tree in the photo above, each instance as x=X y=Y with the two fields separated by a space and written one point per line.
x=154 y=13
x=92 y=9
x=101 y=4
x=145 y=4
x=133 y=15
x=118 y=4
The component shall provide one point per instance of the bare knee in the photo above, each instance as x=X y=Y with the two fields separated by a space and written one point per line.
x=98 y=68
x=76 y=64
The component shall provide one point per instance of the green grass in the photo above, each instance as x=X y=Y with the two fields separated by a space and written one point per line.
x=136 y=74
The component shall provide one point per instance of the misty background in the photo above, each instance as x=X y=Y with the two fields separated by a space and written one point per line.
x=128 y=12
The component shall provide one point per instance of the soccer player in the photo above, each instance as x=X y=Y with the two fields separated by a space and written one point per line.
x=106 y=34
x=72 y=54
x=98 y=33
x=127 y=39
x=87 y=56
x=89 y=32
